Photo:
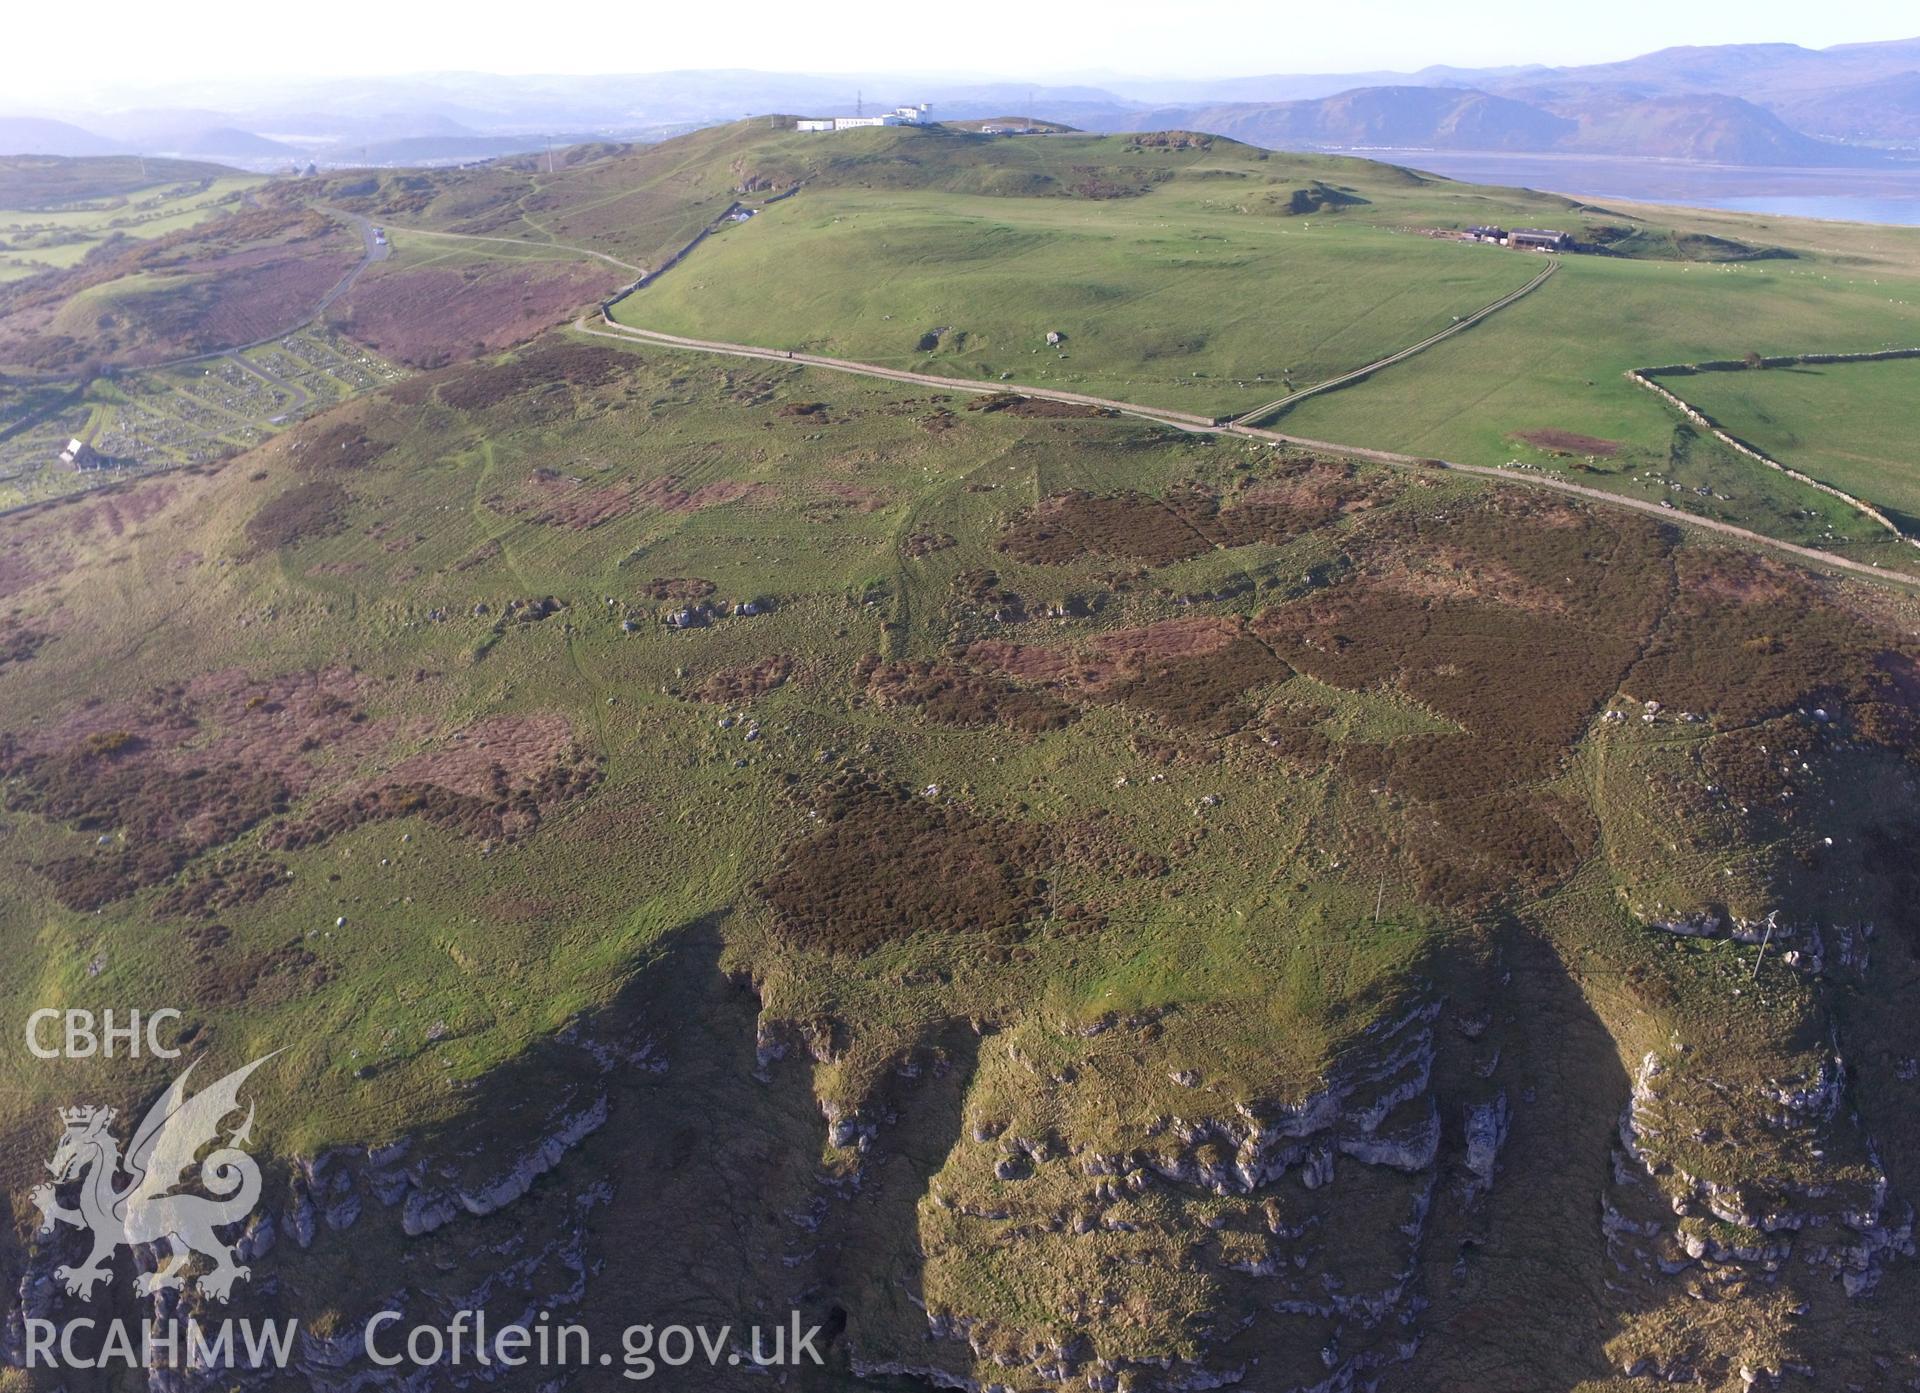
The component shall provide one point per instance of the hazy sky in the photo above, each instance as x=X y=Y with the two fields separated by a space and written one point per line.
x=118 y=44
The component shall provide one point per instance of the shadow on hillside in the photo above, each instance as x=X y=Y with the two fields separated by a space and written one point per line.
x=1534 y=1260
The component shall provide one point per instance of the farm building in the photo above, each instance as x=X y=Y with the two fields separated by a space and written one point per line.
x=80 y=455
x=1486 y=234
x=1540 y=239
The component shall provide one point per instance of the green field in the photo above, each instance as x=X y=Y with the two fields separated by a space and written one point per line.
x=1066 y=900
x=1198 y=288
x=34 y=238
x=1845 y=424
x=1557 y=361
x=1167 y=299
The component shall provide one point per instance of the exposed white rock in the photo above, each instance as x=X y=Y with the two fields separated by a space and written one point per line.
x=1486 y=1131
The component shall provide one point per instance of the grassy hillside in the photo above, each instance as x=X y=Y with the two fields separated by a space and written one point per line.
x=1846 y=424
x=1185 y=271
x=1053 y=898
x=1201 y=308
x=639 y=204
x=997 y=785
x=44 y=183
x=1203 y=275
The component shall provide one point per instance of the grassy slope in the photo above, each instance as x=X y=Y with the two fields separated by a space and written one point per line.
x=1182 y=296
x=640 y=206
x=1285 y=926
x=1198 y=295
x=1844 y=424
x=45 y=181
x=413 y=952
x=1290 y=919
x=1180 y=306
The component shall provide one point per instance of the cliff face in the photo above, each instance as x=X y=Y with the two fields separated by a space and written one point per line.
x=983 y=1215
x=1133 y=911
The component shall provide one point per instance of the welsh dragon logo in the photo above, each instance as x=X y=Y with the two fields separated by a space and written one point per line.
x=145 y=1210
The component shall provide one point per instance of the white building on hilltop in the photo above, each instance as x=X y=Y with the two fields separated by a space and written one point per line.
x=899 y=116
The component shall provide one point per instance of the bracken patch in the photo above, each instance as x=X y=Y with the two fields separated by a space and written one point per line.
x=888 y=865
x=573 y=365
x=317 y=508
x=1747 y=638
x=497 y=779
x=734 y=685
x=678 y=588
x=19 y=644
x=1522 y=681
x=1567 y=442
x=167 y=817
x=1190 y=518
x=1205 y=695
x=980 y=592
x=179 y=772
x=340 y=447
x=924 y=541
x=951 y=693
x=259 y=980
x=1521 y=669
x=1043 y=408
x=429 y=316
x=1192 y=674
x=222 y=884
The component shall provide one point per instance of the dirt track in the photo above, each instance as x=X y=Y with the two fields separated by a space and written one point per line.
x=523 y=244
x=372 y=250
x=1185 y=421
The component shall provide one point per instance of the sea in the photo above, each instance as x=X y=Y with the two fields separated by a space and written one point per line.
x=1883 y=195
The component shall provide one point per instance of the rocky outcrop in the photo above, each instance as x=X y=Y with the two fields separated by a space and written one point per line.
x=1377 y=1110
x=1321 y=1204
x=430 y=1203
x=1827 y=1209
x=1486 y=1132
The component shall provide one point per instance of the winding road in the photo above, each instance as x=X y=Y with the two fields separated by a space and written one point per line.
x=372 y=250
x=609 y=329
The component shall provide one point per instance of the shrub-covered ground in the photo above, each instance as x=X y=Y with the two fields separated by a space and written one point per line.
x=1056 y=893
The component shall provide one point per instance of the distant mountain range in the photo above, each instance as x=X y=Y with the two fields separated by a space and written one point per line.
x=1752 y=104
x=34 y=135
x=1580 y=119
x=1743 y=104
